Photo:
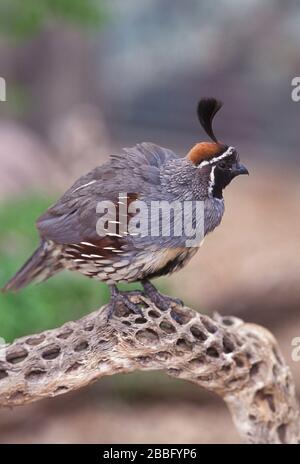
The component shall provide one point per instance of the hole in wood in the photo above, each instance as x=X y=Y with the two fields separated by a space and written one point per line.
x=73 y=367
x=180 y=316
x=81 y=346
x=197 y=362
x=65 y=334
x=228 y=345
x=239 y=361
x=154 y=314
x=33 y=341
x=184 y=345
x=198 y=333
x=147 y=336
x=140 y=320
x=212 y=352
x=3 y=374
x=254 y=370
x=167 y=327
x=17 y=355
x=210 y=327
x=35 y=374
x=89 y=327
x=162 y=356
x=51 y=352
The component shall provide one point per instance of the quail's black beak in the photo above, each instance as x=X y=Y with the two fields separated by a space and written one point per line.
x=239 y=169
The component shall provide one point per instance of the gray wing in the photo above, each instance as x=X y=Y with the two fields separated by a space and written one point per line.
x=135 y=172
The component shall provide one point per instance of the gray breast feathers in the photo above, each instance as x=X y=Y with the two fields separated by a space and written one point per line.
x=213 y=213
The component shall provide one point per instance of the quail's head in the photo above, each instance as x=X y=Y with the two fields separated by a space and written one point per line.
x=217 y=164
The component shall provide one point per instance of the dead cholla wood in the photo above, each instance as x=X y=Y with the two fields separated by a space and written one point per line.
x=238 y=361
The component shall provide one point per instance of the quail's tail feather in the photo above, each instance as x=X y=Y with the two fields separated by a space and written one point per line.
x=40 y=266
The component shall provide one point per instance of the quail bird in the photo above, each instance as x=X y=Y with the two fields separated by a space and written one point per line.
x=144 y=173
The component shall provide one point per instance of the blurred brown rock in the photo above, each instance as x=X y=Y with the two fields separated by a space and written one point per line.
x=25 y=161
x=80 y=140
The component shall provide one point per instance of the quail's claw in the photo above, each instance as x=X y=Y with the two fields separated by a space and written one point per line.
x=164 y=302
x=135 y=308
x=122 y=298
x=161 y=301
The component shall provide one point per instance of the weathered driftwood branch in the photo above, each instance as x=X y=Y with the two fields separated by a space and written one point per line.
x=238 y=361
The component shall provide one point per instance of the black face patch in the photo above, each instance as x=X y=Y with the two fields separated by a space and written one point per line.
x=222 y=177
x=223 y=173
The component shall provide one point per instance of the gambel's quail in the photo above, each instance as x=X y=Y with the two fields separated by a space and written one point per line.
x=131 y=182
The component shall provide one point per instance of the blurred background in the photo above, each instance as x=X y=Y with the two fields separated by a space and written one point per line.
x=88 y=77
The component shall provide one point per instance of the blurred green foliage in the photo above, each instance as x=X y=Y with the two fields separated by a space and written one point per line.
x=22 y=18
x=38 y=307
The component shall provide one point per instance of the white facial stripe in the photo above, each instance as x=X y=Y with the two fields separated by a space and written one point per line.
x=228 y=152
x=211 y=180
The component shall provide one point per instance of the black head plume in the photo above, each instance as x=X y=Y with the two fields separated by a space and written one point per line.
x=207 y=109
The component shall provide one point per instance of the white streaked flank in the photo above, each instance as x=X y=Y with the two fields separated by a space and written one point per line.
x=88 y=244
x=85 y=185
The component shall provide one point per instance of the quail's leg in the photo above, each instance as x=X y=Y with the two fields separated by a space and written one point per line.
x=161 y=301
x=122 y=297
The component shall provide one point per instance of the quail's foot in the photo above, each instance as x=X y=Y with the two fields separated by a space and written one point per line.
x=162 y=302
x=123 y=298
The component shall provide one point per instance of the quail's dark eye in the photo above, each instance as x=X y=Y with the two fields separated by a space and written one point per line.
x=223 y=165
